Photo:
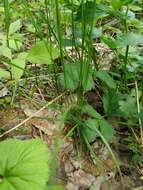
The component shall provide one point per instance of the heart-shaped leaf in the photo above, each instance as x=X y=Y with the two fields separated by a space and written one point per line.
x=42 y=53
x=23 y=165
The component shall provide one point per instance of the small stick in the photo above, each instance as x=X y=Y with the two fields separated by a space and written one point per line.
x=31 y=116
x=138 y=109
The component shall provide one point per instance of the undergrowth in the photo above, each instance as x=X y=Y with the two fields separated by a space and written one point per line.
x=80 y=47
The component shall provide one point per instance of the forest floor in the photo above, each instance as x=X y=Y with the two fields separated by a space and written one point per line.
x=74 y=170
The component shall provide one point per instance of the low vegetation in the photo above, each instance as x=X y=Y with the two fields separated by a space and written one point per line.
x=82 y=59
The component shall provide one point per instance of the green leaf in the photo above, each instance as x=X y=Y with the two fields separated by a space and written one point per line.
x=130 y=39
x=126 y=2
x=91 y=111
x=4 y=74
x=106 y=78
x=116 y=4
x=20 y=61
x=87 y=13
x=106 y=129
x=23 y=165
x=5 y=51
x=111 y=102
x=15 y=45
x=15 y=26
x=109 y=41
x=128 y=106
x=72 y=77
x=89 y=129
x=42 y=53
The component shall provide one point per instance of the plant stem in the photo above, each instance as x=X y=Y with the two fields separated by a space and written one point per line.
x=7 y=19
x=50 y=31
x=60 y=41
x=127 y=48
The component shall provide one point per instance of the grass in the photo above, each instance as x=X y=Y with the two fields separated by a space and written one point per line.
x=7 y=19
x=71 y=62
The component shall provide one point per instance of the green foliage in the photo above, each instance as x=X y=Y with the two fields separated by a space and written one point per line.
x=20 y=62
x=42 y=53
x=111 y=42
x=67 y=38
x=23 y=165
x=4 y=74
x=133 y=146
x=72 y=71
x=130 y=39
x=128 y=105
x=117 y=4
x=106 y=78
x=14 y=26
x=111 y=103
x=97 y=123
x=86 y=12
x=89 y=130
x=5 y=51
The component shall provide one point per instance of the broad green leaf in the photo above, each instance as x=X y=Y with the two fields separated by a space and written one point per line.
x=130 y=39
x=23 y=165
x=91 y=111
x=89 y=129
x=128 y=106
x=14 y=26
x=4 y=74
x=20 y=61
x=5 y=51
x=72 y=77
x=42 y=53
x=111 y=102
x=106 y=78
x=109 y=41
x=106 y=129
x=116 y=4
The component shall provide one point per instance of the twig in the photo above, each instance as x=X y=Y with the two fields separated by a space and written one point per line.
x=31 y=116
x=138 y=109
